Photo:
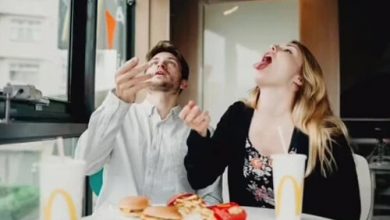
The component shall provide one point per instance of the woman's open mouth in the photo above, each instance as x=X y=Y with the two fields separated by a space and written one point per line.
x=265 y=61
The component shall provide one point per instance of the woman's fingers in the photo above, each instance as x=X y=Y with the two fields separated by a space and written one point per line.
x=193 y=113
x=195 y=118
x=200 y=118
x=184 y=112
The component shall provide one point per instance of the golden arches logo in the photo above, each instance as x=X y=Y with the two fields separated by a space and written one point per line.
x=298 y=190
x=68 y=199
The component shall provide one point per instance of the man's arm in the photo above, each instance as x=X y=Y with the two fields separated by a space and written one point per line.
x=97 y=142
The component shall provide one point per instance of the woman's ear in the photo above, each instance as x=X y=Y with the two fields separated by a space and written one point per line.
x=184 y=84
x=298 y=80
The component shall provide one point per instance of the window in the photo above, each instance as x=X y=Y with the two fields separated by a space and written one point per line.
x=111 y=45
x=19 y=177
x=52 y=45
x=35 y=45
x=44 y=46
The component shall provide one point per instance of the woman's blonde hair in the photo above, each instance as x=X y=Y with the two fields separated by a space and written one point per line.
x=312 y=114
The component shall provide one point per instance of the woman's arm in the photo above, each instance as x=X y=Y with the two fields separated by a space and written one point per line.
x=208 y=157
x=346 y=182
x=336 y=196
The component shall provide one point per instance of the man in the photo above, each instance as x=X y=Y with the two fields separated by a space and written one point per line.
x=141 y=146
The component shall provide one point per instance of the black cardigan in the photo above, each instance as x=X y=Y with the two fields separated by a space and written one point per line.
x=336 y=196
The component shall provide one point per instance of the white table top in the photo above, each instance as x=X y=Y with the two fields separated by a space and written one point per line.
x=110 y=213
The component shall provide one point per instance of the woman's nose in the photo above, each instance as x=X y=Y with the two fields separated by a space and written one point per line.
x=274 y=47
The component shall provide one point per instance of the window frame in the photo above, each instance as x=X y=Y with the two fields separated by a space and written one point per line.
x=68 y=118
x=61 y=118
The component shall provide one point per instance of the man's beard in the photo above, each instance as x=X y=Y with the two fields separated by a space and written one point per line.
x=164 y=87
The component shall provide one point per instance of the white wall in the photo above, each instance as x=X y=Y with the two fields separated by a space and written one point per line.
x=234 y=42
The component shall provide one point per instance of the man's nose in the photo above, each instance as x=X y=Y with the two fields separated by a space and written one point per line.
x=161 y=64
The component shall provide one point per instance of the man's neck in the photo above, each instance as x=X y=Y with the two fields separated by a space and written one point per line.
x=163 y=101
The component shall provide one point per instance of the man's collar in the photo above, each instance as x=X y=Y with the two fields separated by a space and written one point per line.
x=150 y=109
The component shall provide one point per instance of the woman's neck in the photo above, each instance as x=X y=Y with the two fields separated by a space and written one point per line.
x=274 y=103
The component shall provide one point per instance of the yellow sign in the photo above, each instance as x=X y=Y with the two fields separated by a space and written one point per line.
x=68 y=199
x=298 y=190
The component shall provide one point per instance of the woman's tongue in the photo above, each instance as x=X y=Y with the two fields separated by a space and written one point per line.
x=264 y=63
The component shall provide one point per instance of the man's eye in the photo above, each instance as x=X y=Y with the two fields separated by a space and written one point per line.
x=172 y=63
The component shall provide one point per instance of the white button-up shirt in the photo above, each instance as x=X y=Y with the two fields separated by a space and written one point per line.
x=141 y=153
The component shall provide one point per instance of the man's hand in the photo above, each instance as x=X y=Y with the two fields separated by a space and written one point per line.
x=127 y=81
x=195 y=118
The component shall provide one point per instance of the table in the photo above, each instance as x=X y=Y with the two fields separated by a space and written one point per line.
x=110 y=213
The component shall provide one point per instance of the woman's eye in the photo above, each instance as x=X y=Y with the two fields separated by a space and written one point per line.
x=288 y=51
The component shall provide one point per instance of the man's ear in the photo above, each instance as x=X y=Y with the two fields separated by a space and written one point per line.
x=298 y=80
x=184 y=84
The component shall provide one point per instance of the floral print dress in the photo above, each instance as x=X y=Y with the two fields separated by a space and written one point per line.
x=258 y=175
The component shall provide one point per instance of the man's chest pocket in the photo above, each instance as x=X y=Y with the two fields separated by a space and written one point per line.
x=174 y=161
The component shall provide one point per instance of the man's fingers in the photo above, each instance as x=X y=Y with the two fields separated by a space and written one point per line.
x=140 y=86
x=127 y=66
x=132 y=82
x=131 y=73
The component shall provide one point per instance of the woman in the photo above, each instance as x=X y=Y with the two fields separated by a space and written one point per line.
x=290 y=96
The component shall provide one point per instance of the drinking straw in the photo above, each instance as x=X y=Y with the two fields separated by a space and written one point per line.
x=284 y=145
x=60 y=147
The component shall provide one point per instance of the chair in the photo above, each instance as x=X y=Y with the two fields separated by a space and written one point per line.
x=365 y=187
x=96 y=181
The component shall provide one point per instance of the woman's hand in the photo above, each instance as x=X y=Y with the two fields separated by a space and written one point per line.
x=194 y=118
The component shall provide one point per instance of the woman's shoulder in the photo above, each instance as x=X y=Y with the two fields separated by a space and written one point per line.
x=342 y=149
x=239 y=106
x=237 y=113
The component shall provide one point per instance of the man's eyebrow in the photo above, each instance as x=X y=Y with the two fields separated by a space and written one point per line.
x=173 y=58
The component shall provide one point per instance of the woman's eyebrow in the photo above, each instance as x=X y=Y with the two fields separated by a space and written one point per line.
x=293 y=46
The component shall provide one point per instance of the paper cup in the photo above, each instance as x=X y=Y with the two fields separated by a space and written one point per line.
x=61 y=188
x=288 y=178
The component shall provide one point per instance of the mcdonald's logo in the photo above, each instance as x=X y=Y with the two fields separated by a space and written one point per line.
x=298 y=190
x=68 y=199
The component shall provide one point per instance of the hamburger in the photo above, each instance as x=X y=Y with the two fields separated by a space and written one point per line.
x=133 y=205
x=161 y=213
